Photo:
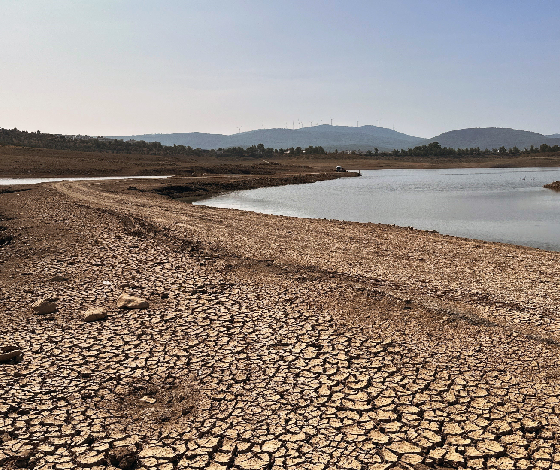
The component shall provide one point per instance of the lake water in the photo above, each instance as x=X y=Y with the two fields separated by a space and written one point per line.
x=506 y=205
x=12 y=181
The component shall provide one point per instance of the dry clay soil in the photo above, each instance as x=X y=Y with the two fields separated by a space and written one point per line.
x=269 y=342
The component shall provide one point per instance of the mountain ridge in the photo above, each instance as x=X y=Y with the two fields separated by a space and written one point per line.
x=353 y=138
x=329 y=137
x=493 y=137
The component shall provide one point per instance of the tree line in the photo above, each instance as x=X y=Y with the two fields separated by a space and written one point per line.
x=89 y=144
x=119 y=146
x=434 y=149
x=100 y=144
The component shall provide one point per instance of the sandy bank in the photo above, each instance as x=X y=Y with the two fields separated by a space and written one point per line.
x=269 y=342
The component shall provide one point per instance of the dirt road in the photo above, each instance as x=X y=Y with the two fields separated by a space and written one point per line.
x=269 y=342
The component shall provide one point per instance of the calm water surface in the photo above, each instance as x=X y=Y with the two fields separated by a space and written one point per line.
x=505 y=205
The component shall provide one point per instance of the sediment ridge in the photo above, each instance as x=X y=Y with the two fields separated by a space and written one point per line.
x=256 y=341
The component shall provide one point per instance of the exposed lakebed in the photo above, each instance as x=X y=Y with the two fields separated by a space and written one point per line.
x=506 y=205
x=18 y=181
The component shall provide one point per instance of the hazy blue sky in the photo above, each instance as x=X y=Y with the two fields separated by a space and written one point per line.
x=113 y=67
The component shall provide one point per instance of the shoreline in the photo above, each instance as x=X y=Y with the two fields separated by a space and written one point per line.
x=269 y=341
x=22 y=162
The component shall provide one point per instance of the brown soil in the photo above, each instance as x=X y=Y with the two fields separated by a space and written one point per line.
x=269 y=342
x=23 y=162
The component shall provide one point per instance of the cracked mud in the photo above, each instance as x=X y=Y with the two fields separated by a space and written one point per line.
x=265 y=342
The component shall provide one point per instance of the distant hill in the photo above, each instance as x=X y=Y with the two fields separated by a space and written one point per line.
x=493 y=137
x=329 y=137
x=554 y=136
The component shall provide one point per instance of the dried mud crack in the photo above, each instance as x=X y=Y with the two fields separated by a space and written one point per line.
x=268 y=342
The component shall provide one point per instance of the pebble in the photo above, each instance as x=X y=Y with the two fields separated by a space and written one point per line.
x=131 y=302
x=43 y=307
x=95 y=314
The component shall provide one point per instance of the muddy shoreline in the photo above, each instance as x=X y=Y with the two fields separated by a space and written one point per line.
x=25 y=162
x=268 y=342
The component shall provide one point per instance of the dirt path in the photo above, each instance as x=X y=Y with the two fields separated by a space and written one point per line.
x=269 y=342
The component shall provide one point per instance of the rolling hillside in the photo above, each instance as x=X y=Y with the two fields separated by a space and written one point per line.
x=329 y=137
x=493 y=137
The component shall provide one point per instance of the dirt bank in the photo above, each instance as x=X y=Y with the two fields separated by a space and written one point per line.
x=269 y=342
x=191 y=189
x=555 y=186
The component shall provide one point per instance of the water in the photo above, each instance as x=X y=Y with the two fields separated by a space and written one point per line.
x=12 y=181
x=505 y=205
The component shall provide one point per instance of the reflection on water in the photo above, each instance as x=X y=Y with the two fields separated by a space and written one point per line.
x=507 y=205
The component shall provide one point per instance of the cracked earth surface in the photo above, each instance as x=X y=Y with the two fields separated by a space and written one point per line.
x=269 y=342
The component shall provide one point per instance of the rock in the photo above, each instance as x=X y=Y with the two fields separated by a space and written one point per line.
x=58 y=278
x=147 y=399
x=7 y=353
x=43 y=307
x=131 y=301
x=94 y=314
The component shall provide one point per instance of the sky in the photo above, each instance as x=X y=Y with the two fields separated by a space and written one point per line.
x=422 y=67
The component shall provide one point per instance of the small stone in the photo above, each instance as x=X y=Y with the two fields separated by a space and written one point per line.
x=43 y=307
x=147 y=399
x=94 y=314
x=130 y=301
